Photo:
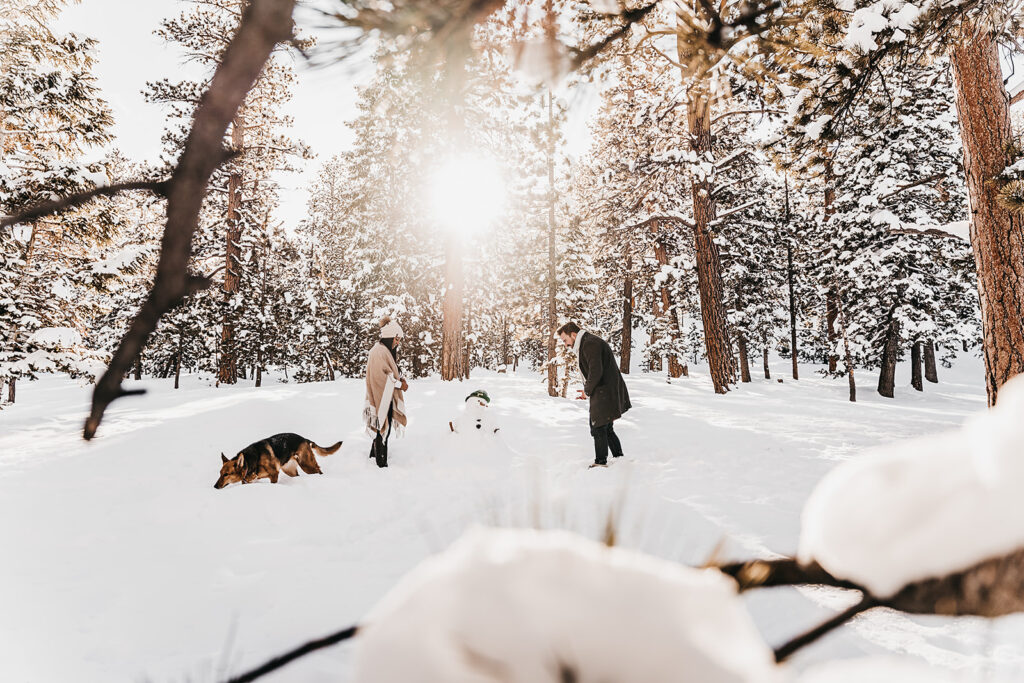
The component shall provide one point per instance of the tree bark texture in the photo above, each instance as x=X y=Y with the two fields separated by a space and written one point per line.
x=552 y=272
x=916 y=362
x=792 y=314
x=997 y=235
x=767 y=370
x=627 y=316
x=744 y=359
x=451 y=326
x=709 y=265
x=228 y=369
x=930 y=372
x=831 y=316
x=887 y=374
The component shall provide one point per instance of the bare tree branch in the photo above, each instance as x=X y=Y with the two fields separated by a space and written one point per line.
x=158 y=187
x=922 y=181
x=629 y=18
x=1017 y=98
x=782 y=653
x=290 y=656
x=264 y=24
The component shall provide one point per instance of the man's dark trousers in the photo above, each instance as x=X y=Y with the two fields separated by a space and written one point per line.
x=604 y=436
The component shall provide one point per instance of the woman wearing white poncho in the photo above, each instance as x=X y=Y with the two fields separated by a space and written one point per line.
x=384 y=411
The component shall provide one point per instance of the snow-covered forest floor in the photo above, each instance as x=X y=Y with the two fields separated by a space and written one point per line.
x=121 y=562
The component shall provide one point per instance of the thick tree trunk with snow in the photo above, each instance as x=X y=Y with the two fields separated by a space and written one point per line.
x=887 y=375
x=228 y=366
x=709 y=265
x=997 y=236
x=916 y=363
x=627 y=316
x=451 y=324
x=930 y=372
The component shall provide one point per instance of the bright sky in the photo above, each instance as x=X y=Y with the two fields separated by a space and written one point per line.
x=129 y=54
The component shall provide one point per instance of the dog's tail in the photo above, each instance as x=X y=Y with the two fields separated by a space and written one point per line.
x=325 y=451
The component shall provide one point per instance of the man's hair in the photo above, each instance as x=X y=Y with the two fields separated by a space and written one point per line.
x=568 y=328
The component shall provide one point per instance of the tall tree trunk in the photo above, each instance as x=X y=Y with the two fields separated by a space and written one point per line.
x=997 y=236
x=831 y=296
x=744 y=360
x=887 y=375
x=915 y=366
x=656 y=363
x=627 y=315
x=505 y=344
x=451 y=326
x=228 y=367
x=767 y=370
x=467 y=344
x=11 y=389
x=675 y=367
x=848 y=355
x=831 y=317
x=552 y=272
x=261 y=340
x=138 y=366
x=930 y=372
x=791 y=277
x=709 y=265
x=177 y=364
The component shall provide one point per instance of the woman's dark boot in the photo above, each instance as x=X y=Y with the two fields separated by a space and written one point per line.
x=380 y=451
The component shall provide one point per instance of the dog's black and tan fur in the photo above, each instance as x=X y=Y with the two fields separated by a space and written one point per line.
x=269 y=457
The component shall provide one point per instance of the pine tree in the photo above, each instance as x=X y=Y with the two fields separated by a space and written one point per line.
x=52 y=117
x=243 y=191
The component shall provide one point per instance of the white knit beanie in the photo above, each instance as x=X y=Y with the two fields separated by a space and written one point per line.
x=391 y=330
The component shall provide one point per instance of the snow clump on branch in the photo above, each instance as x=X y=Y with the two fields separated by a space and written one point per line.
x=528 y=606
x=924 y=508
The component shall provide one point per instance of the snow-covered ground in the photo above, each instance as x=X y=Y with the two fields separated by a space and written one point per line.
x=120 y=561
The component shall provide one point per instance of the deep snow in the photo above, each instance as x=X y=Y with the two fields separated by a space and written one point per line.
x=121 y=562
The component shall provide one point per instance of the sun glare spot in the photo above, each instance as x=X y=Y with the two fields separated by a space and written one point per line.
x=467 y=194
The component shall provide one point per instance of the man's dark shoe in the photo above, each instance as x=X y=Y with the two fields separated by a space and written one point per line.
x=598 y=464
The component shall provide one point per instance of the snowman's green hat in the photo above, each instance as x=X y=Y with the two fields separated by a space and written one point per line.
x=479 y=393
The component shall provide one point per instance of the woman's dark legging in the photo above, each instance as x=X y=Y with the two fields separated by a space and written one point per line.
x=605 y=436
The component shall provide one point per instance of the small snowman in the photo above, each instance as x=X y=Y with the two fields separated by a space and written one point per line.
x=475 y=417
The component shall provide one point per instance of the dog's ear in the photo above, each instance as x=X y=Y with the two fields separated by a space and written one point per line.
x=223 y=459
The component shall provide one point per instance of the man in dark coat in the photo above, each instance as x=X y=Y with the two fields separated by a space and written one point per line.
x=603 y=386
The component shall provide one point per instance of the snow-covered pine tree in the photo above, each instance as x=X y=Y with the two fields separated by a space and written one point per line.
x=243 y=191
x=51 y=119
x=895 y=283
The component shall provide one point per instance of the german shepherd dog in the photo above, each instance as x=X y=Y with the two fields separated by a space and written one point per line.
x=269 y=457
